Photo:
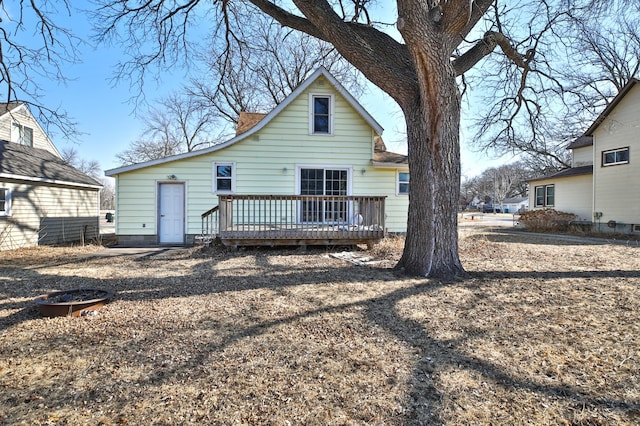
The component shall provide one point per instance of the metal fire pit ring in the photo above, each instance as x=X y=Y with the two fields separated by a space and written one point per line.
x=72 y=303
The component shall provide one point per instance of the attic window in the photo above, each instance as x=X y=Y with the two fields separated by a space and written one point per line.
x=321 y=120
x=615 y=157
x=22 y=134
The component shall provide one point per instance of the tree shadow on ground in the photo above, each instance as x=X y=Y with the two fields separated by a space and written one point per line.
x=424 y=402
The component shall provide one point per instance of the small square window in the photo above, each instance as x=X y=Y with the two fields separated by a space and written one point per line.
x=403 y=183
x=224 y=177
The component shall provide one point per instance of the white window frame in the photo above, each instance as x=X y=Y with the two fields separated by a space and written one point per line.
x=7 y=202
x=17 y=133
x=214 y=172
x=312 y=97
x=398 y=182
x=615 y=151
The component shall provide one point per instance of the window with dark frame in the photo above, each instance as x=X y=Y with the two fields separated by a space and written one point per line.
x=615 y=157
x=545 y=196
x=321 y=114
x=4 y=201
x=224 y=177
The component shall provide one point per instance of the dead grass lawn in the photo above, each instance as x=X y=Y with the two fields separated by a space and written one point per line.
x=541 y=333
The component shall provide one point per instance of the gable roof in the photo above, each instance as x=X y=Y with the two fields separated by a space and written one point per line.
x=10 y=107
x=38 y=165
x=614 y=103
x=5 y=107
x=320 y=72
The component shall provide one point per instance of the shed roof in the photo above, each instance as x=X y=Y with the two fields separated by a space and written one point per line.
x=573 y=171
x=584 y=140
x=34 y=164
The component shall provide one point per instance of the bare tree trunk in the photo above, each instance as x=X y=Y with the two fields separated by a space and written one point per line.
x=431 y=246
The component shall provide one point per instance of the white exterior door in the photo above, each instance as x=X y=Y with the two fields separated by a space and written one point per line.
x=171 y=213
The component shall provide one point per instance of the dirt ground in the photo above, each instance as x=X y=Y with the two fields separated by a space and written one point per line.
x=543 y=332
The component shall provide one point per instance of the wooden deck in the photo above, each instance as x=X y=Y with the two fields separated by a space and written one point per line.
x=275 y=220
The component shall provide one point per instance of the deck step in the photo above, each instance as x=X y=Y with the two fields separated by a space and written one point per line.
x=203 y=239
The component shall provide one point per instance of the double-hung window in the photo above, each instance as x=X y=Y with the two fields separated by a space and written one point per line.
x=615 y=157
x=403 y=183
x=224 y=177
x=321 y=117
x=22 y=134
x=5 y=202
x=545 y=196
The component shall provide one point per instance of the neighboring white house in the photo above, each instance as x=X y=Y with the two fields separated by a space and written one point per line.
x=515 y=205
x=319 y=141
x=43 y=200
x=603 y=184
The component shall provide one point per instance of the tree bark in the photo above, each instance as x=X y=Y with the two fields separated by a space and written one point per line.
x=431 y=244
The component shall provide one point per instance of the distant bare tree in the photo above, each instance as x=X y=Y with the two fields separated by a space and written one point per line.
x=90 y=167
x=590 y=64
x=175 y=124
x=257 y=75
x=34 y=49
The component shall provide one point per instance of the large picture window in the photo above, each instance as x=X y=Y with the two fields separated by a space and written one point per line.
x=324 y=182
x=321 y=120
x=615 y=157
x=545 y=196
x=224 y=177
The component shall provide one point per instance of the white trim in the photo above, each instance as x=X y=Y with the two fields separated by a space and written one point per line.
x=28 y=111
x=312 y=113
x=214 y=176
x=398 y=193
x=321 y=71
x=349 y=170
x=614 y=151
x=51 y=181
x=398 y=166
x=7 y=201
x=185 y=213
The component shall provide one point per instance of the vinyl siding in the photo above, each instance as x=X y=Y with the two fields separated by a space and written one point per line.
x=266 y=163
x=572 y=195
x=48 y=214
x=617 y=187
x=582 y=156
x=24 y=117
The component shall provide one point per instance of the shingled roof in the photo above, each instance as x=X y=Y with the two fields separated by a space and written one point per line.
x=24 y=162
x=572 y=171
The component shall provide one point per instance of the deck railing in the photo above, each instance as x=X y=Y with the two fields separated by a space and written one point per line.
x=209 y=226
x=300 y=219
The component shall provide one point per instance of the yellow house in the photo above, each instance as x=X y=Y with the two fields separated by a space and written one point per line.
x=603 y=186
x=43 y=200
x=315 y=163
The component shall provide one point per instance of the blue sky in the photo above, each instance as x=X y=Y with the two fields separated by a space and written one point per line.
x=108 y=123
